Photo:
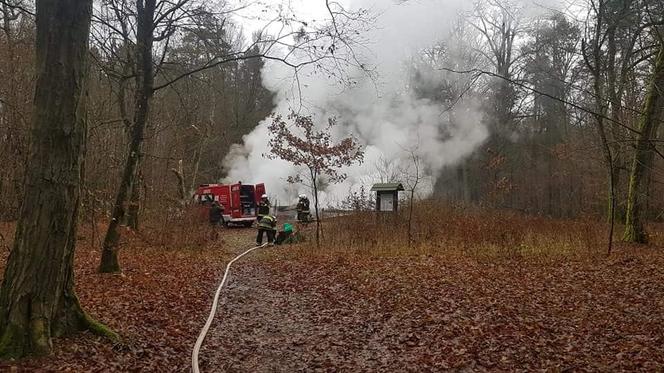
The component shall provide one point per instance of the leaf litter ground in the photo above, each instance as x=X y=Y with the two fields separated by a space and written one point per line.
x=430 y=313
x=288 y=311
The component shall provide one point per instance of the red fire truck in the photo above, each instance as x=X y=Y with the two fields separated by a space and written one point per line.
x=240 y=201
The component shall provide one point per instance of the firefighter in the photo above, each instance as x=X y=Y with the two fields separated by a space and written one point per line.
x=288 y=236
x=216 y=214
x=303 y=212
x=263 y=207
x=267 y=224
x=284 y=236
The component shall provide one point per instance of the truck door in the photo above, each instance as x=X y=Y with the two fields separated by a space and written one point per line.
x=260 y=190
x=236 y=205
x=224 y=194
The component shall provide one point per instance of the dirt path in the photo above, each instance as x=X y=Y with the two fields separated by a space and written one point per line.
x=266 y=325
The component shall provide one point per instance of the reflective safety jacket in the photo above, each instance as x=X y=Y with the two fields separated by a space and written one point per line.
x=268 y=222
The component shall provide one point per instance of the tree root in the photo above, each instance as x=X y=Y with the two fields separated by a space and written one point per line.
x=99 y=329
x=633 y=235
x=85 y=322
x=35 y=337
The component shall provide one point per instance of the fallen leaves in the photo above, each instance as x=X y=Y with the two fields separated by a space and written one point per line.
x=285 y=311
x=429 y=313
x=158 y=304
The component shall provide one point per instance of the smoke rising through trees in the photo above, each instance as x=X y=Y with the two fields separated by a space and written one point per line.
x=390 y=110
x=382 y=112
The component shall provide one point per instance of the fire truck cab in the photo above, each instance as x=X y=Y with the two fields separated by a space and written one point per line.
x=240 y=201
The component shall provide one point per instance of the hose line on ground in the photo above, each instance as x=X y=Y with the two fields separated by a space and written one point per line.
x=206 y=327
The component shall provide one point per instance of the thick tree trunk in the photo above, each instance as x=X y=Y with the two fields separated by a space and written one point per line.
x=144 y=89
x=37 y=298
x=643 y=156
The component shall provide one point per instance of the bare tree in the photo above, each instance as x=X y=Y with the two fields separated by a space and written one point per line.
x=644 y=154
x=600 y=52
x=144 y=80
x=413 y=176
x=498 y=22
x=298 y=141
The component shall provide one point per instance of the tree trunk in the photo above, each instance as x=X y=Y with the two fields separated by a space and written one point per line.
x=616 y=144
x=135 y=200
x=596 y=67
x=194 y=173
x=198 y=155
x=144 y=89
x=410 y=218
x=37 y=298
x=608 y=162
x=314 y=177
x=179 y=174
x=643 y=155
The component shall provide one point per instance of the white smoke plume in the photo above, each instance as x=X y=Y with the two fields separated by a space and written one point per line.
x=383 y=114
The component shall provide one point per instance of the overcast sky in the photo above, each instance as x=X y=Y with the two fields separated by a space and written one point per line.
x=259 y=12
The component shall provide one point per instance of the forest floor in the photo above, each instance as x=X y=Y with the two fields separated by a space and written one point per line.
x=291 y=309
x=432 y=313
x=158 y=304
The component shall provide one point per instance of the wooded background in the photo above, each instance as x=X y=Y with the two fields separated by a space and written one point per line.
x=563 y=95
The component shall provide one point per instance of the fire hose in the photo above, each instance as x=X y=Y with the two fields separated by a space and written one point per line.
x=206 y=327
